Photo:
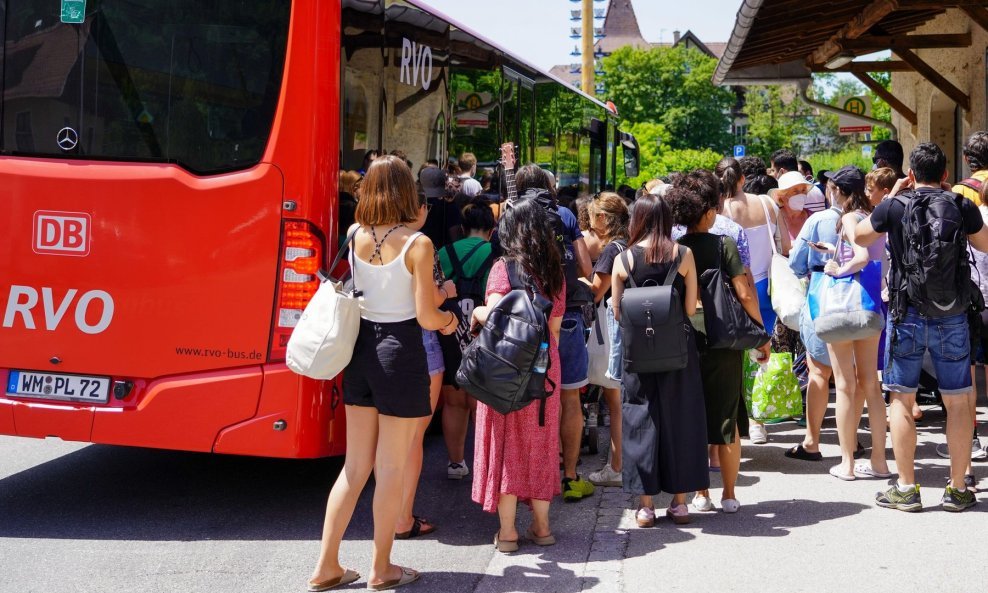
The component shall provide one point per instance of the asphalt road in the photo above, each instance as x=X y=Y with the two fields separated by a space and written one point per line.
x=109 y=519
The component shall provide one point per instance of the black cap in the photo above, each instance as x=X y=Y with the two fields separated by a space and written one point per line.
x=849 y=179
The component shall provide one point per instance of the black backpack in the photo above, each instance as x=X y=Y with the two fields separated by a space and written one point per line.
x=727 y=325
x=470 y=290
x=935 y=273
x=578 y=294
x=498 y=365
x=654 y=327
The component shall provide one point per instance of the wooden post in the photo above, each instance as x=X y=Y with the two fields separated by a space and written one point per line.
x=587 y=70
x=937 y=79
x=888 y=97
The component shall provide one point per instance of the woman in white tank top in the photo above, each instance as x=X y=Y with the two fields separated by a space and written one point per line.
x=386 y=385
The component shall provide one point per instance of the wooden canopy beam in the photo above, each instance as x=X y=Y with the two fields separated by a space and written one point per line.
x=978 y=14
x=888 y=97
x=862 y=67
x=936 y=4
x=895 y=43
x=856 y=27
x=935 y=78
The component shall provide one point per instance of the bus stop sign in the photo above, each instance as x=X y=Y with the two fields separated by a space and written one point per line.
x=74 y=11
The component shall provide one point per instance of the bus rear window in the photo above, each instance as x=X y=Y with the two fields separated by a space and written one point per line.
x=192 y=82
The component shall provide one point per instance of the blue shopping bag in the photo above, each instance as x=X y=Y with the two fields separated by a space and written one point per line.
x=849 y=308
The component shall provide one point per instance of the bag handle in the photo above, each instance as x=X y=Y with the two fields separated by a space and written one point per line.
x=345 y=248
x=768 y=226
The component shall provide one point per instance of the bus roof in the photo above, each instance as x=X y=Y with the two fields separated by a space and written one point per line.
x=422 y=5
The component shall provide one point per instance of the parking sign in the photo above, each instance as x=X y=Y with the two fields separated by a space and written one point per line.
x=738 y=151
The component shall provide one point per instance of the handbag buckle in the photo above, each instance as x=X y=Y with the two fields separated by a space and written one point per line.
x=649 y=330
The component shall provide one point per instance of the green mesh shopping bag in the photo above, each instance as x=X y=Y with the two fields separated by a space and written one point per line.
x=775 y=390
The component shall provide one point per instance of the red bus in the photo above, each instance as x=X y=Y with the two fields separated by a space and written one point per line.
x=169 y=172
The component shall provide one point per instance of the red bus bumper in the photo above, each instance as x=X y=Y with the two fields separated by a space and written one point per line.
x=265 y=411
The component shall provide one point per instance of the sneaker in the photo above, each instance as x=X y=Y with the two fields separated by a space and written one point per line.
x=892 y=498
x=645 y=517
x=757 y=434
x=576 y=489
x=970 y=482
x=730 y=505
x=457 y=471
x=977 y=453
x=956 y=501
x=703 y=504
x=606 y=477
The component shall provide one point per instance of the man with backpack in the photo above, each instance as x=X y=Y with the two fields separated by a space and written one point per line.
x=930 y=297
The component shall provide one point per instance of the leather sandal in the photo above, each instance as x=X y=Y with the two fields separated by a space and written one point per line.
x=349 y=576
x=800 y=452
x=549 y=540
x=420 y=526
x=503 y=546
x=407 y=576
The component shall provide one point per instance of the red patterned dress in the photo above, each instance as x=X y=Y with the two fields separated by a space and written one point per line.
x=512 y=453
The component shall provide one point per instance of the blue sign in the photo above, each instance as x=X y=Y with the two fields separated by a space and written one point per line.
x=738 y=151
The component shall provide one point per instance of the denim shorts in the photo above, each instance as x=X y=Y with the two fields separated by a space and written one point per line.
x=433 y=352
x=815 y=347
x=615 y=366
x=573 y=358
x=947 y=339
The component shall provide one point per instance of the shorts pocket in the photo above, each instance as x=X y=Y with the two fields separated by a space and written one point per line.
x=569 y=326
x=904 y=339
x=955 y=341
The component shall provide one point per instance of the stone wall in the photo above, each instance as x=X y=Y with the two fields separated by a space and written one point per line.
x=934 y=109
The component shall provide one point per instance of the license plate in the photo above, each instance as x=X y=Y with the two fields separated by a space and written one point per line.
x=74 y=388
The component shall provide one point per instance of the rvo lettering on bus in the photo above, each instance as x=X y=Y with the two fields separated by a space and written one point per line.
x=413 y=64
x=24 y=299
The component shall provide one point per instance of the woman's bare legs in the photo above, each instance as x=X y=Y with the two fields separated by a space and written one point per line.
x=540 y=518
x=817 y=394
x=507 y=509
x=730 y=465
x=361 y=445
x=871 y=392
x=613 y=399
x=413 y=469
x=848 y=408
x=394 y=440
x=456 y=422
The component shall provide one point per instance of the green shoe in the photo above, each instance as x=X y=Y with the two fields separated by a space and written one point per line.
x=956 y=501
x=892 y=498
x=576 y=489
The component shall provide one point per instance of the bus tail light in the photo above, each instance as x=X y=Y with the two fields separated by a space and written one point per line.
x=301 y=257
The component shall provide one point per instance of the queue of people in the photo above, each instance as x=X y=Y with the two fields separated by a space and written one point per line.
x=890 y=267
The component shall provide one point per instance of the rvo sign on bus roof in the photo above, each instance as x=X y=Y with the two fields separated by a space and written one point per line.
x=416 y=62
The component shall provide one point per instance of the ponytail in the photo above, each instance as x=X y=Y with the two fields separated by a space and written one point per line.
x=728 y=173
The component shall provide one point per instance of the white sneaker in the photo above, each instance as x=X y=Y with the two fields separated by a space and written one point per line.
x=457 y=471
x=730 y=505
x=977 y=452
x=606 y=477
x=757 y=434
x=702 y=503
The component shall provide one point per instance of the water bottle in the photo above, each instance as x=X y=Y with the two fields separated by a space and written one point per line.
x=542 y=359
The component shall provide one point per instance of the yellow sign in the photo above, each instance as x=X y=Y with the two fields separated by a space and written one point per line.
x=473 y=102
x=856 y=106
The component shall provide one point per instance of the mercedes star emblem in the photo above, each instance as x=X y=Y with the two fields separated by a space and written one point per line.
x=67 y=139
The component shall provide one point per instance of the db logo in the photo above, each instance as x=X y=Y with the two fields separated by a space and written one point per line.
x=62 y=233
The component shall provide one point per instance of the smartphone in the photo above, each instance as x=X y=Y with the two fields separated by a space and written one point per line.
x=822 y=246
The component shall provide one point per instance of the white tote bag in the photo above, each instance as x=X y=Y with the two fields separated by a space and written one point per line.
x=322 y=343
x=787 y=291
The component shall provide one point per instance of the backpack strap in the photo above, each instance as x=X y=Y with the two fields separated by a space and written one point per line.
x=627 y=268
x=678 y=261
x=971 y=183
x=454 y=261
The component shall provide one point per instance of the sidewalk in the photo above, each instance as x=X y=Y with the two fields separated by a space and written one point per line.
x=799 y=529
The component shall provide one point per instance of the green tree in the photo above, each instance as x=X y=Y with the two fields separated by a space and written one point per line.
x=777 y=118
x=671 y=87
x=659 y=159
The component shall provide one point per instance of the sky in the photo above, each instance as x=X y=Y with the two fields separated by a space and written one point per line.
x=538 y=30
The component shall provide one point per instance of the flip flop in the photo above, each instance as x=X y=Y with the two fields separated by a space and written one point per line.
x=348 y=577
x=864 y=470
x=407 y=576
x=504 y=546
x=835 y=472
x=549 y=540
x=420 y=526
x=798 y=452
